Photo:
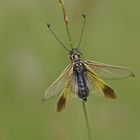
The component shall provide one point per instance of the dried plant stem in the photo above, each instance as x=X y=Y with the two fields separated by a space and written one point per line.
x=86 y=119
x=70 y=40
x=66 y=22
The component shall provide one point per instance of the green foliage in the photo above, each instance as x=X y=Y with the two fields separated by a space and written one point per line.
x=31 y=60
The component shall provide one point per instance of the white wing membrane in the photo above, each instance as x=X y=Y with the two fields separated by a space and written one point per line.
x=109 y=71
x=58 y=85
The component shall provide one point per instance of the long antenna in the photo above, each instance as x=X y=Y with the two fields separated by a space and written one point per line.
x=49 y=26
x=84 y=16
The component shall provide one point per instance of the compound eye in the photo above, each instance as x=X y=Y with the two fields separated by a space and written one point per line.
x=79 y=55
x=72 y=57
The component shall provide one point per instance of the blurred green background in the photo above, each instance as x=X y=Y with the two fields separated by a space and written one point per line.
x=31 y=59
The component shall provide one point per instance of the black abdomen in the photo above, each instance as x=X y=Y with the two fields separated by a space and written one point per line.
x=80 y=75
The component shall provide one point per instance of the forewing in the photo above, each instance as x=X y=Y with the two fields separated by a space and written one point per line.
x=57 y=87
x=65 y=95
x=97 y=84
x=109 y=71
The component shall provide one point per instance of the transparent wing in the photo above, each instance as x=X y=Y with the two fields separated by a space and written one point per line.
x=65 y=95
x=109 y=71
x=57 y=87
x=98 y=84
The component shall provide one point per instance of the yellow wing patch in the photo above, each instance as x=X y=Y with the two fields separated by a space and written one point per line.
x=65 y=95
x=58 y=86
x=97 y=83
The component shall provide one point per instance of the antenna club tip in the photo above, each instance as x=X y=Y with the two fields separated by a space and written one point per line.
x=84 y=15
x=48 y=24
